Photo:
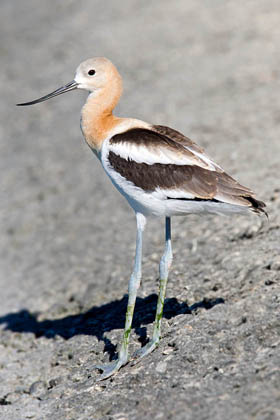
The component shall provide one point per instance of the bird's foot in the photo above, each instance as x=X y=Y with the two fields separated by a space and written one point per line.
x=147 y=349
x=110 y=368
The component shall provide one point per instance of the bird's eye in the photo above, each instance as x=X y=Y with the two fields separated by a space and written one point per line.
x=91 y=72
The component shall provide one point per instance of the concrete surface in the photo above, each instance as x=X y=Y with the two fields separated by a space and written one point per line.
x=210 y=69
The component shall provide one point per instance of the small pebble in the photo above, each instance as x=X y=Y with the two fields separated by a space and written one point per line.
x=37 y=388
x=161 y=367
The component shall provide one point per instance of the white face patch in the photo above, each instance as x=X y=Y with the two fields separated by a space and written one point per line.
x=81 y=80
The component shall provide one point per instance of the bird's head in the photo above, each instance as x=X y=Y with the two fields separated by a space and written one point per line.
x=94 y=75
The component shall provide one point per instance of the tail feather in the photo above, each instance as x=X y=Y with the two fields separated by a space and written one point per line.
x=257 y=206
x=229 y=190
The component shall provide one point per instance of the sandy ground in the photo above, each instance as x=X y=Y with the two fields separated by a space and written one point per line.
x=211 y=70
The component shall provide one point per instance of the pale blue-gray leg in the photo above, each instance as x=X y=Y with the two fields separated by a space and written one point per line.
x=164 y=266
x=134 y=282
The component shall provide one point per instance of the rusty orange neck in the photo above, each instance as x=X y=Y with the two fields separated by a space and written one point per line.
x=97 y=119
x=97 y=127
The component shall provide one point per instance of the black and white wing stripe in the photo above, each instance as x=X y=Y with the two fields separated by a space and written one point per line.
x=163 y=159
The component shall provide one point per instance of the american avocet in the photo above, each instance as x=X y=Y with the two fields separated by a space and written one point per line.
x=157 y=169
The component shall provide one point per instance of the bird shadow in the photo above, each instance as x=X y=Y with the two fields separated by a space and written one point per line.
x=101 y=319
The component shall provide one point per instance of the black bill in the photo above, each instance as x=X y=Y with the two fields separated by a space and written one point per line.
x=70 y=86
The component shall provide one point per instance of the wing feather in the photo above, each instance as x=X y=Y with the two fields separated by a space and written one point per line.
x=149 y=146
x=162 y=159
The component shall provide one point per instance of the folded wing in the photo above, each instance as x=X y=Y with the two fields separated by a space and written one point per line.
x=162 y=159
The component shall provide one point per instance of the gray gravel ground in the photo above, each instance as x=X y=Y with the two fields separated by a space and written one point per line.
x=210 y=69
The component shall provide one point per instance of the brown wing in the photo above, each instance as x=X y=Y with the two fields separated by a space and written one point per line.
x=151 y=146
x=226 y=186
x=128 y=152
x=194 y=181
x=177 y=137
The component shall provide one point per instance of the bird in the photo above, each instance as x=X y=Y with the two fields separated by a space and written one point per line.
x=159 y=171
